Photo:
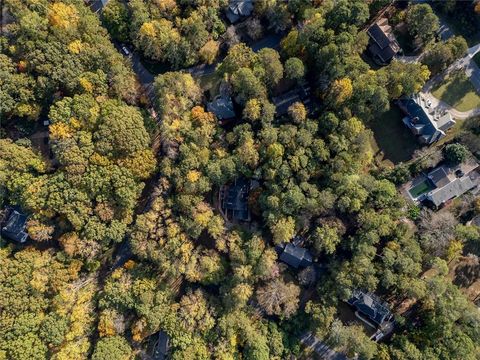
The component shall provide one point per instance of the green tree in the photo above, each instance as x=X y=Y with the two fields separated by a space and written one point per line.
x=294 y=69
x=269 y=60
x=455 y=153
x=247 y=86
x=422 y=22
x=112 y=347
x=116 y=19
x=283 y=230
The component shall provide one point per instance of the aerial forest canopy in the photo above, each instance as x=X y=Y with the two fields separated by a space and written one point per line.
x=129 y=243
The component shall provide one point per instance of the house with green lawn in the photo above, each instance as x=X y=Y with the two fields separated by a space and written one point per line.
x=444 y=183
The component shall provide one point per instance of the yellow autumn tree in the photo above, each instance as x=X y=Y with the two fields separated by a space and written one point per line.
x=63 y=16
x=340 y=91
x=141 y=164
x=75 y=46
x=193 y=175
x=208 y=52
x=60 y=131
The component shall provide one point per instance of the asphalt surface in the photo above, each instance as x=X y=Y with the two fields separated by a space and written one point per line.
x=320 y=348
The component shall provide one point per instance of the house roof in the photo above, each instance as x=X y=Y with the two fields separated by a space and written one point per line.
x=453 y=189
x=236 y=199
x=222 y=108
x=385 y=55
x=161 y=347
x=239 y=8
x=14 y=227
x=296 y=256
x=428 y=124
x=369 y=305
x=439 y=177
x=383 y=43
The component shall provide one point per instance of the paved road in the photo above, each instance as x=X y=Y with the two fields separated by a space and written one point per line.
x=320 y=348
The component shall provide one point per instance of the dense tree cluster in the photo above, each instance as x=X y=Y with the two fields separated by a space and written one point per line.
x=47 y=308
x=84 y=196
x=213 y=285
x=179 y=33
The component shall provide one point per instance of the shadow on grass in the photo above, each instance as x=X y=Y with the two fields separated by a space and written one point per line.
x=458 y=92
x=392 y=136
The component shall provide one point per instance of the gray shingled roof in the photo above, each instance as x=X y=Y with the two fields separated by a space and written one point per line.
x=235 y=200
x=14 y=228
x=222 y=108
x=161 y=347
x=371 y=306
x=439 y=177
x=453 y=189
x=425 y=122
x=239 y=8
x=296 y=256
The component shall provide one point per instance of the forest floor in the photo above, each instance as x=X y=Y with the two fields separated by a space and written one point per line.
x=465 y=273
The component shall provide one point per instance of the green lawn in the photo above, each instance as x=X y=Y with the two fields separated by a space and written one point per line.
x=392 y=136
x=458 y=92
x=420 y=189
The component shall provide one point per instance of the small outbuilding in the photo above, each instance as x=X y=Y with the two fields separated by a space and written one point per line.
x=14 y=227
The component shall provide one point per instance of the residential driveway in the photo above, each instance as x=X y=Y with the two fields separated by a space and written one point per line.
x=445 y=32
x=440 y=105
x=320 y=348
x=145 y=76
x=473 y=73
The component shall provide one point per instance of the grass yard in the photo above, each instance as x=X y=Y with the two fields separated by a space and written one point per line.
x=458 y=92
x=420 y=189
x=392 y=136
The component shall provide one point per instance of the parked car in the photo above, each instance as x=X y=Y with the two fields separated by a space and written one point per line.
x=125 y=50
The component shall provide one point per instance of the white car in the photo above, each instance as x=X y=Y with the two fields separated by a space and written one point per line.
x=429 y=103
x=125 y=50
